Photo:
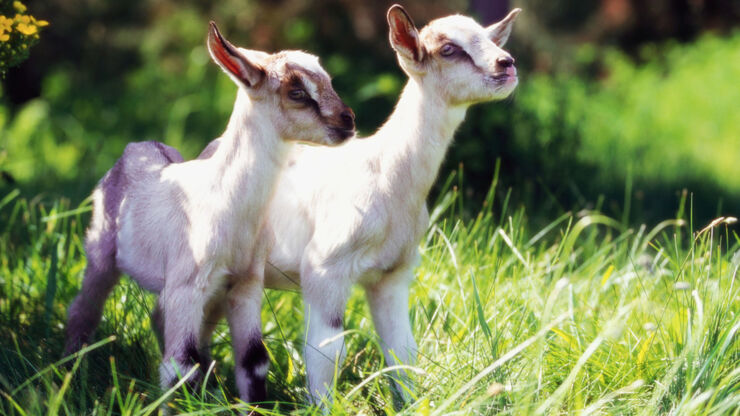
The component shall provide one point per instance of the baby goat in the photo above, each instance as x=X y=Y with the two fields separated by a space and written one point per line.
x=189 y=230
x=356 y=214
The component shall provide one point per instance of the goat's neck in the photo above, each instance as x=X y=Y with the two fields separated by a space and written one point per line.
x=248 y=159
x=415 y=139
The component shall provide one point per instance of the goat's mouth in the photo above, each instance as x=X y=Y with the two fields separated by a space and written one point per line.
x=339 y=134
x=502 y=78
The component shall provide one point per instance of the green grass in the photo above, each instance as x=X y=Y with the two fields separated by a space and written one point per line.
x=584 y=316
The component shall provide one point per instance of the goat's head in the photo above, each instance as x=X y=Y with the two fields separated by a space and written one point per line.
x=456 y=55
x=292 y=85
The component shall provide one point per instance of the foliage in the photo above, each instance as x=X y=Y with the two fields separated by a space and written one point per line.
x=17 y=33
x=660 y=125
x=563 y=140
x=671 y=118
x=644 y=321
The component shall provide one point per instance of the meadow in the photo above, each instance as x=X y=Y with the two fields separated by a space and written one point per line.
x=586 y=315
x=585 y=263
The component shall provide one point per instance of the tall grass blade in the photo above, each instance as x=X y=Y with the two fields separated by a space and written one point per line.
x=9 y=197
x=481 y=315
x=51 y=288
x=555 y=398
x=496 y=364
x=154 y=405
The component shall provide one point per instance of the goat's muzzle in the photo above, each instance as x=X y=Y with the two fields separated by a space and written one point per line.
x=345 y=127
x=339 y=135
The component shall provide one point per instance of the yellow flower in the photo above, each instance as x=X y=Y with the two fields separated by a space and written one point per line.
x=19 y=6
x=26 y=29
x=22 y=18
x=4 y=37
x=6 y=24
x=41 y=23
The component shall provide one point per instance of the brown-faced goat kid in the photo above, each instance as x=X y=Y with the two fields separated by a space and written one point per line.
x=356 y=214
x=189 y=230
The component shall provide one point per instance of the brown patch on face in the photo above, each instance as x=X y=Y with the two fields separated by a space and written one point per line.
x=438 y=43
x=328 y=107
x=439 y=40
x=435 y=43
x=291 y=80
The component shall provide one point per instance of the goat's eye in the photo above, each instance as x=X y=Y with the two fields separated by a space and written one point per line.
x=448 y=49
x=297 y=94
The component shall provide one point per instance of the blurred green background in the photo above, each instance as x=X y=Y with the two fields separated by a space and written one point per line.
x=623 y=105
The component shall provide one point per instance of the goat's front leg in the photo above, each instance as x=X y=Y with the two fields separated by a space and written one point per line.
x=389 y=305
x=182 y=307
x=244 y=301
x=213 y=312
x=325 y=298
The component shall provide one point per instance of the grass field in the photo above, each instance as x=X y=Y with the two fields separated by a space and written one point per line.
x=583 y=316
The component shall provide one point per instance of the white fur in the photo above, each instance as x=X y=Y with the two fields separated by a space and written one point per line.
x=190 y=230
x=356 y=214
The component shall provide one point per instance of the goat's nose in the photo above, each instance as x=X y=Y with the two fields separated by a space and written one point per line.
x=348 y=118
x=505 y=61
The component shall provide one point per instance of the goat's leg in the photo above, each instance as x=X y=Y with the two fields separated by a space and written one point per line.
x=389 y=305
x=325 y=298
x=87 y=308
x=250 y=355
x=157 y=323
x=214 y=311
x=183 y=309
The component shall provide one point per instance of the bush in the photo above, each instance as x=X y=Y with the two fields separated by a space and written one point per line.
x=71 y=135
x=670 y=120
x=665 y=124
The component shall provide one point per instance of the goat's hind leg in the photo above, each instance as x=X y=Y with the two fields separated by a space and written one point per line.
x=157 y=323
x=101 y=275
x=87 y=308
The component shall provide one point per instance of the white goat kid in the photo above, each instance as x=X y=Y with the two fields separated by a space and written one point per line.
x=189 y=230
x=356 y=214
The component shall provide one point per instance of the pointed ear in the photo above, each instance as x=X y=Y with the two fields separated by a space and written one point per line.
x=499 y=32
x=403 y=34
x=233 y=62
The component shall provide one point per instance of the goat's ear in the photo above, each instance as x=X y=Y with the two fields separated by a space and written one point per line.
x=499 y=32
x=231 y=60
x=403 y=34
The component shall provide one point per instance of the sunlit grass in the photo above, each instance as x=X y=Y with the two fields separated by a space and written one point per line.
x=583 y=316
